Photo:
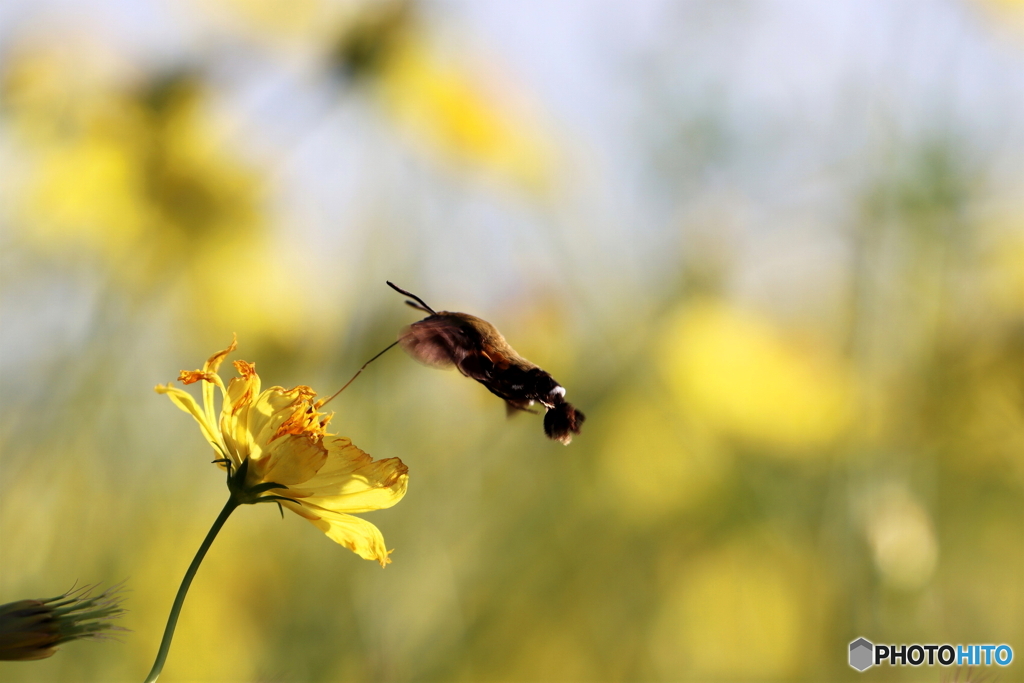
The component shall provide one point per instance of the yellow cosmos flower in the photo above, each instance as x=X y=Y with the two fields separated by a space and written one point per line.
x=275 y=448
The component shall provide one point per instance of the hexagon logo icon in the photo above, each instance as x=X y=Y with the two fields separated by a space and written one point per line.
x=861 y=651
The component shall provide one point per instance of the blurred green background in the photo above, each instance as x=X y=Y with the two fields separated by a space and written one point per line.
x=774 y=250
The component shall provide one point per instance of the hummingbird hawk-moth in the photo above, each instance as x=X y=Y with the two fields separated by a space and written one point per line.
x=479 y=351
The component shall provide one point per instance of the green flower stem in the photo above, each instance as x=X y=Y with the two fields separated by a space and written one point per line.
x=179 y=599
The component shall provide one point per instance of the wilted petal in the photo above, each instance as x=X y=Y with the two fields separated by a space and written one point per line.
x=304 y=418
x=272 y=409
x=212 y=363
x=193 y=376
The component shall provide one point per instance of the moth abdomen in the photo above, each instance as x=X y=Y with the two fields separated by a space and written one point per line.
x=563 y=421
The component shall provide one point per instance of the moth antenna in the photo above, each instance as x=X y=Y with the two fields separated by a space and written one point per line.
x=359 y=371
x=422 y=303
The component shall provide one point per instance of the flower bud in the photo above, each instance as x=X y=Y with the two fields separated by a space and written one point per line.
x=32 y=629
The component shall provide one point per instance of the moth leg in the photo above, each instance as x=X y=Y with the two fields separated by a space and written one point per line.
x=513 y=408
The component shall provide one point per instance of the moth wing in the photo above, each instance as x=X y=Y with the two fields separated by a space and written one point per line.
x=433 y=342
x=476 y=364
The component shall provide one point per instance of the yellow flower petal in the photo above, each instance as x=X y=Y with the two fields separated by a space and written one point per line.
x=293 y=460
x=184 y=400
x=352 y=481
x=355 y=533
x=271 y=410
x=235 y=416
x=211 y=366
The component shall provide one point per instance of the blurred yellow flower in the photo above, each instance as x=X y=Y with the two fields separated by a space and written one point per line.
x=654 y=465
x=282 y=20
x=1005 y=14
x=275 y=447
x=439 y=100
x=441 y=105
x=136 y=176
x=902 y=537
x=453 y=112
x=1002 y=266
x=749 y=380
x=1005 y=5
x=743 y=612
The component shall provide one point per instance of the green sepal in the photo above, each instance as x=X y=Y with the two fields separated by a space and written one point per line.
x=266 y=486
x=275 y=499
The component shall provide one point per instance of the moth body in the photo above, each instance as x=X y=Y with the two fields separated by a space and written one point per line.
x=479 y=351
